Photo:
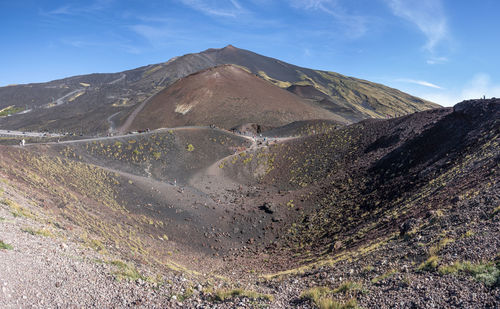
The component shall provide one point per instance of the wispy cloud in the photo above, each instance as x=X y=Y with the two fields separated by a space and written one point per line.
x=227 y=8
x=97 y=5
x=88 y=42
x=481 y=84
x=418 y=82
x=354 y=26
x=437 y=60
x=152 y=33
x=427 y=15
x=478 y=86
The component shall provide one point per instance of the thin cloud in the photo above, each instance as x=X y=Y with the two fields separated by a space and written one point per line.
x=419 y=82
x=82 y=42
x=231 y=8
x=97 y=5
x=480 y=85
x=437 y=60
x=355 y=26
x=150 y=32
x=427 y=15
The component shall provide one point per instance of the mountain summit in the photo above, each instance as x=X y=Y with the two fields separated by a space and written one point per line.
x=99 y=103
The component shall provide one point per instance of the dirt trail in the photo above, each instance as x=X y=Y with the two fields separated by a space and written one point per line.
x=213 y=178
x=126 y=125
x=119 y=79
x=111 y=123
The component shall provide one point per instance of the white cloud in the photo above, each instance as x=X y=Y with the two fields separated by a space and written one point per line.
x=95 y=6
x=354 y=26
x=418 y=82
x=229 y=8
x=480 y=85
x=427 y=15
x=151 y=33
x=437 y=60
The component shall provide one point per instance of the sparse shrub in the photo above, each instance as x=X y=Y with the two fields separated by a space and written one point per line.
x=42 y=232
x=429 y=264
x=316 y=293
x=388 y=274
x=469 y=233
x=157 y=155
x=126 y=271
x=223 y=295
x=488 y=273
x=186 y=295
x=348 y=286
x=320 y=296
x=16 y=210
x=442 y=243
x=4 y=246
x=328 y=303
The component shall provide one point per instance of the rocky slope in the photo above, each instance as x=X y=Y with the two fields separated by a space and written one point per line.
x=396 y=213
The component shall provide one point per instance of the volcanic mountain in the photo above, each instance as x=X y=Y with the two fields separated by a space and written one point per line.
x=228 y=96
x=99 y=103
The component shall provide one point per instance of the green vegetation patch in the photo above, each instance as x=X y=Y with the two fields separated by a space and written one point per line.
x=126 y=271
x=223 y=295
x=10 y=110
x=388 y=274
x=488 y=273
x=42 y=232
x=4 y=246
x=430 y=264
x=322 y=296
x=16 y=210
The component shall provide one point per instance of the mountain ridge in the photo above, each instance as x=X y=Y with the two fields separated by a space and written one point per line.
x=99 y=102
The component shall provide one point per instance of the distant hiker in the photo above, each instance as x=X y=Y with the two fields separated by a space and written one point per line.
x=175 y=182
x=22 y=142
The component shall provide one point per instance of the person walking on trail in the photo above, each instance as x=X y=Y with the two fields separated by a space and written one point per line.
x=22 y=142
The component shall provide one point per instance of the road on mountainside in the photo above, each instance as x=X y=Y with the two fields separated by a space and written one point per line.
x=131 y=117
x=12 y=133
x=60 y=100
x=255 y=140
x=119 y=79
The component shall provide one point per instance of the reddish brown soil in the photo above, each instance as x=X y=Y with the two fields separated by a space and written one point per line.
x=226 y=96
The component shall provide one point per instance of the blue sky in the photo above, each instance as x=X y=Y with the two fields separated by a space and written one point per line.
x=441 y=50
